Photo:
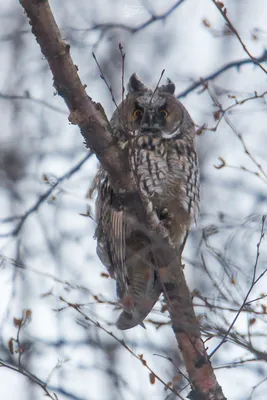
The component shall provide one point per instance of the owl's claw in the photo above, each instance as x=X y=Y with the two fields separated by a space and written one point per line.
x=164 y=213
x=166 y=217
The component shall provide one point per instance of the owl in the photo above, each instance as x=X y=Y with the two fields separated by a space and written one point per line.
x=156 y=134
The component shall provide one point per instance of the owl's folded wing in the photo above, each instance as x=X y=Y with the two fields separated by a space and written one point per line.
x=116 y=246
x=110 y=232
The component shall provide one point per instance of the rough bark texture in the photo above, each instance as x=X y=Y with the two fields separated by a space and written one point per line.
x=84 y=112
x=95 y=128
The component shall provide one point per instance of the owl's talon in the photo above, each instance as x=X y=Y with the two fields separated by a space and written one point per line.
x=164 y=213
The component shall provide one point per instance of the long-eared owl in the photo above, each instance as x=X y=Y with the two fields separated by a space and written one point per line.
x=157 y=135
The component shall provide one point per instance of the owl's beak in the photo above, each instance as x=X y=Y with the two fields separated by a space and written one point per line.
x=152 y=130
x=148 y=120
x=148 y=124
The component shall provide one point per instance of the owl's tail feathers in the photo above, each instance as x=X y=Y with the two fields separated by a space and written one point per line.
x=130 y=318
x=127 y=321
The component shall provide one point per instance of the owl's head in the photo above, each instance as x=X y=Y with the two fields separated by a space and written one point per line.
x=153 y=112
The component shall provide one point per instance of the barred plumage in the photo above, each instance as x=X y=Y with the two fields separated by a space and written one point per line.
x=157 y=134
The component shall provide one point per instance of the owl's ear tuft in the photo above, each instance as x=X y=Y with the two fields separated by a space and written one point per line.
x=135 y=84
x=168 y=88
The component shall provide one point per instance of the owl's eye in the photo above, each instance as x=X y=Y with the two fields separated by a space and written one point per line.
x=138 y=113
x=163 y=113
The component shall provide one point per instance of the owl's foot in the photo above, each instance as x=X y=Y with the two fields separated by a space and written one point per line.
x=165 y=217
x=163 y=214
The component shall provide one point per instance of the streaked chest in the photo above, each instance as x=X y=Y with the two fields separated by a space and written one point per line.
x=157 y=165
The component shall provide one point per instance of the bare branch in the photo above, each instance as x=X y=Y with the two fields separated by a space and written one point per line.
x=89 y=116
x=253 y=283
x=226 y=67
x=32 y=377
x=27 y=96
x=102 y=76
x=139 y=357
x=223 y=11
x=105 y=27
x=222 y=113
x=22 y=219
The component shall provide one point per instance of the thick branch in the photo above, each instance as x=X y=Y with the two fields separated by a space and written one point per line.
x=23 y=218
x=187 y=332
x=96 y=130
x=84 y=112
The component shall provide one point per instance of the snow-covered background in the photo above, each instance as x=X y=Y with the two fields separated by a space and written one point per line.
x=53 y=255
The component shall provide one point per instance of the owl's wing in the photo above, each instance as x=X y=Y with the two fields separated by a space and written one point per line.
x=110 y=232
x=116 y=245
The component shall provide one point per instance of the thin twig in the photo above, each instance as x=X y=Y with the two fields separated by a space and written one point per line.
x=157 y=85
x=32 y=377
x=122 y=71
x=256 y=387
x=41 y=199
x=122 y=343
x=102 y=76
x=27 y=96
x=223 y=11
x=171 y=361
x=240 y=102
x=105 y=27
x=223 y=114
x=254 y=281
x=218 y=72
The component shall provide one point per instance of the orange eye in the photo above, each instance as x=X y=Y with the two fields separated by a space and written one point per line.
x=138 y=113
x=163 y=113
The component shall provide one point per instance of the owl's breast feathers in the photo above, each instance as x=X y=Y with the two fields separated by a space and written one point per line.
x=167 y=171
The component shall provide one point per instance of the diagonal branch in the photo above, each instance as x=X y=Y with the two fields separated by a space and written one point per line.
x=105 y=27
x=213 y=75
x=96 y=130
x=89 y=116
x=22 y=218
x=223 y=10
x=253 y=283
